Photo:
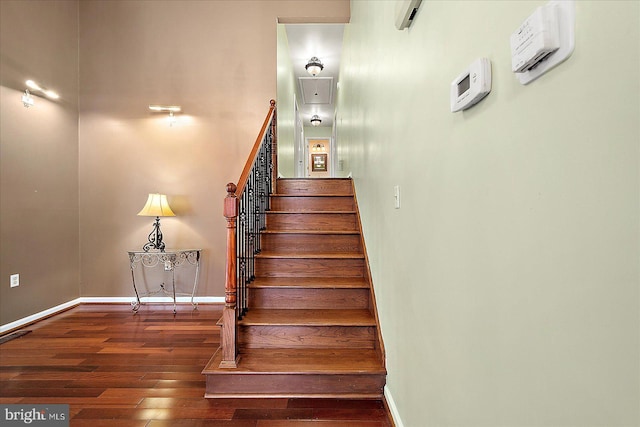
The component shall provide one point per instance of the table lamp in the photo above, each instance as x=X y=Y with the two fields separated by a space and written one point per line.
x=157 y=206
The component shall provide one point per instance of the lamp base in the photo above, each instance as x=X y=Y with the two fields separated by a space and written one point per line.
x=155 y=238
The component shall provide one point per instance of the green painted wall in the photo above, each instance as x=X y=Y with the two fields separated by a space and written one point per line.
x=508 y=282
x=286 y=113
x=317 y=132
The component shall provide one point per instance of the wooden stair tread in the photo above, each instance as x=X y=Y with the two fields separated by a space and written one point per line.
x=314 y=186
x=311 y=255
x=301 y=361
x=312 y=195
x=325 y=232
x=310 y=282
x=307 y=212
x=311 y=232
x=294 y=317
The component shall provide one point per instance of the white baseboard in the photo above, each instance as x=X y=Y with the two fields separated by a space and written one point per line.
x=100 y=300
x=392 y=407
x=38 y=316
x=111 y=300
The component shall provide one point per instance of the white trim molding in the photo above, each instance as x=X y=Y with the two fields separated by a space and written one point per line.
x=101 y=300
x=41 y=315
x=392 y=407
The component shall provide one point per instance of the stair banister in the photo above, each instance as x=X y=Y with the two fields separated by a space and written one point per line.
x=269 y=125
x=244 y=209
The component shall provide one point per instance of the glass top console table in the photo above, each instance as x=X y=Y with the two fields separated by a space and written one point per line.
x=169 y=259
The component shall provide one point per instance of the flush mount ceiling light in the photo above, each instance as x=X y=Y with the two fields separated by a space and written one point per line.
x=171 y=109
x=315 y=120
x=314 y=66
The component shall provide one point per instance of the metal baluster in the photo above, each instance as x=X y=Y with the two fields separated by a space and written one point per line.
x=268 y=167
x=265 y=184
x=256 y=210
x=250 y=232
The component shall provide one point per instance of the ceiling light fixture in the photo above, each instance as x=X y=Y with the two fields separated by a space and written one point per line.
x=314 y=66
x=315 y=120
x=39 y=88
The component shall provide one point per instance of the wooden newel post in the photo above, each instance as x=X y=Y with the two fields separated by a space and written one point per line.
x=229 y=332
x=274 y=145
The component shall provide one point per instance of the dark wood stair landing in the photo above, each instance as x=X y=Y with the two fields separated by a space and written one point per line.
x=311 y=329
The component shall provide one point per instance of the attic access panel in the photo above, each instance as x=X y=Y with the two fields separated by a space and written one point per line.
x=316 y=90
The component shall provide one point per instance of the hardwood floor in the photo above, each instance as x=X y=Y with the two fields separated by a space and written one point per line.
x=115 y=368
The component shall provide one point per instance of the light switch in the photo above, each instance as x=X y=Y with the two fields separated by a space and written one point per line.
x=396 y=196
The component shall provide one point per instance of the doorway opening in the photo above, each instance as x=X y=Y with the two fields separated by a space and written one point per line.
x=319 y=159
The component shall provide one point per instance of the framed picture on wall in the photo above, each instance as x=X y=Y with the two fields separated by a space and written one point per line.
x=319 y=162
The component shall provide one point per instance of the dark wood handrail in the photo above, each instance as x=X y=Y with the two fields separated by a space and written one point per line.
x=245 y=215
x=244 y=177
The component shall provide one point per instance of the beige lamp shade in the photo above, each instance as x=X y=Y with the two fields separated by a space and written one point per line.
x=156 y=205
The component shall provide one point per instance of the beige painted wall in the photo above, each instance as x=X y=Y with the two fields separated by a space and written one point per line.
x=75 y=173
x=217 y=59
x=508 y=282
x=38 y=157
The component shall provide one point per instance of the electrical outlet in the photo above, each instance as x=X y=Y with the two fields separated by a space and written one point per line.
x=396 y=196
x=15 y=280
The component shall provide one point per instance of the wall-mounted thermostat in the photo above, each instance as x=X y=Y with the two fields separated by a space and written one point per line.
x=471 y=85
x=535 y=39
x=543 y=40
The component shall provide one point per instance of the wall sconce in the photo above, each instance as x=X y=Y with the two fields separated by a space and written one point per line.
x=314 y=66
x=39 y=88
x=318 y=147
x=157 y=206
x=315 y=120
x=27 y=98
x=171 y=109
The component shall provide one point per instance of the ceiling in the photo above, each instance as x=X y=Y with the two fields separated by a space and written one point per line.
x=316 y=95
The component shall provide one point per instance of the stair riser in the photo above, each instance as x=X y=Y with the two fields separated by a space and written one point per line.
x=280 y=336
x=311 y=203
x=314 y=186
x=295 y=298
x=311 y=221
x=310 y=243
x=290 y=267
x=364 y=386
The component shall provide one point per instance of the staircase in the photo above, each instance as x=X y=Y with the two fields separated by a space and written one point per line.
x=311 y=329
